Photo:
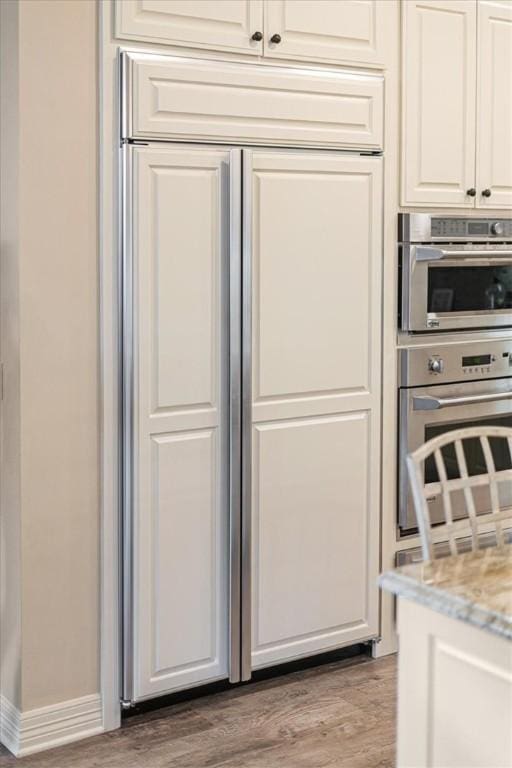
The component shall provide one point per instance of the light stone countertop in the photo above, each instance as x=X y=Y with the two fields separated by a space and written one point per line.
x=475 y=587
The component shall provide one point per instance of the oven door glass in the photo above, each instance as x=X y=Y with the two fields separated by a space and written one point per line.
x=466 y=288
x=417 y=426
x=472 y=449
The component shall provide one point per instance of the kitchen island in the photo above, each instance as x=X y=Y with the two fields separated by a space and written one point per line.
x=455 y=660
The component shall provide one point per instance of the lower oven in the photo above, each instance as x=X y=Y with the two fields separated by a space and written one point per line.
x=451 y=387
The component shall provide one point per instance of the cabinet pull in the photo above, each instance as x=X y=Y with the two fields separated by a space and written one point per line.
x=471 y=192
x=275 y=39
x=257 y=36
x=486 y=192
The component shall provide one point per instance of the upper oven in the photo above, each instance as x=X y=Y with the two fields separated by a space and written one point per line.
x=455 y=272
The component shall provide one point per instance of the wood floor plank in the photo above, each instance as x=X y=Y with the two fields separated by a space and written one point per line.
x=338 y=715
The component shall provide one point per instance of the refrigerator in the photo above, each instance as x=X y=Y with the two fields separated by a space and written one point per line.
x=251 y=322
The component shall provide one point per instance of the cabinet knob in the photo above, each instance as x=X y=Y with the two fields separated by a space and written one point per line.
x=471 y=192
x=275 y=39
x=257 y=36
x=486 y=192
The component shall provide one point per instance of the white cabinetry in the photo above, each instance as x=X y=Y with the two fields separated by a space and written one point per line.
x=316 y=263
x=194 y=99
x=226 y=25
x=494 y=128
x=457 y=147
x=439 y=94
x=337 y=31
x=454 y=692
x=179 y=465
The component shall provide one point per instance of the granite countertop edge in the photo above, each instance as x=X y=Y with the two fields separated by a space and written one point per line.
x=441 y=600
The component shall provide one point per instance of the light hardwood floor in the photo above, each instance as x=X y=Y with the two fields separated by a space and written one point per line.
x=339 y=714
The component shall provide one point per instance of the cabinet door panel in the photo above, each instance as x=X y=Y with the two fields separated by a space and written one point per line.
x=197 y=100
x=219 y=24
x=312 y=518
x=438 y=102
x=494 y=116
x=180 y=505
x=328 y=30
x=316 y=265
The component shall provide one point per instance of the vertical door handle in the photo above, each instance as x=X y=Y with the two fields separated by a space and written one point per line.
x=235 y=414
x=246 y=590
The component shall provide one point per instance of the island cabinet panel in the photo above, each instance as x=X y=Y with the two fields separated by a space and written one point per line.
x=438 y=102
x=454 y=690
x=197 y=100
x=226 y=25
x=338 y=31
x=314 y=229
x=494 y=122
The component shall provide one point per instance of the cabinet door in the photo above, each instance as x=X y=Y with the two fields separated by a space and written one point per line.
x=226 y=25
x=178 y=477
x=316 y=307
x=338 y=31
x=494 y=113
x=438 y=102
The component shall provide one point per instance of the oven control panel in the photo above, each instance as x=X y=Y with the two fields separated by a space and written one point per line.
x=470 y=228
x=420 y=366
x=424 y=228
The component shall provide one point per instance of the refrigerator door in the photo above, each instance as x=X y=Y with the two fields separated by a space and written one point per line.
x=177 y=444
x=311 y=391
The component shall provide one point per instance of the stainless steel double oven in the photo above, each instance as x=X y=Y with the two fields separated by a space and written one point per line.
x=455 y=314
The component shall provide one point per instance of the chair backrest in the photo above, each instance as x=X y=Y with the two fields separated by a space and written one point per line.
x=498 y=515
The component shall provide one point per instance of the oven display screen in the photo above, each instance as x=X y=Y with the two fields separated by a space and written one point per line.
x=477 y=228
x=476 y=360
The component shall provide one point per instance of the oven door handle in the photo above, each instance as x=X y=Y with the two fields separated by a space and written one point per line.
x=432 y=253
x=429 y=403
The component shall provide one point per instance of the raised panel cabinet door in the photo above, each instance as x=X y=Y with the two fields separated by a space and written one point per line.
x=178 y=214
x=337 y=31
x=438 y=102
x=314 y=231
x=494 y=111
x=227 y=25
x=174 y=98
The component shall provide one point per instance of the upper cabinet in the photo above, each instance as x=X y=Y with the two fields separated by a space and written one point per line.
x=336 y=31
x=494 y=99
x=457 y=103
x=439 y=93
x=226 y=25
x=327 y=31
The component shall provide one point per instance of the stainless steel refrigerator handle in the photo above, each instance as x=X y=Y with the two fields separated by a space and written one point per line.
x=235 y=416
x=434 y=253
x=429 y=403
x=127 y=405
x=246 y=597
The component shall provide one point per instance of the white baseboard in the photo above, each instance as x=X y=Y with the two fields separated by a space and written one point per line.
x=26 y=732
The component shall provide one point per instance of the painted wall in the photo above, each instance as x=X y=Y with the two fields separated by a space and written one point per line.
x=56 y=270
x=10 y=491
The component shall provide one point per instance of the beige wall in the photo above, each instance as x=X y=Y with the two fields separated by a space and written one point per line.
x=10 y=517
x=58 y=350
